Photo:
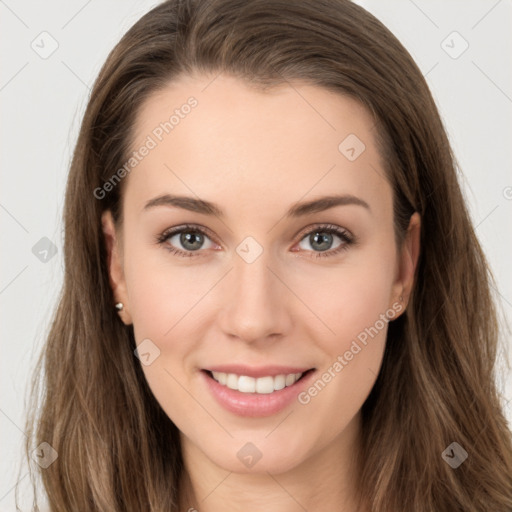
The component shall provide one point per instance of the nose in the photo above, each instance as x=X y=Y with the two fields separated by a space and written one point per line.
x=256 y=305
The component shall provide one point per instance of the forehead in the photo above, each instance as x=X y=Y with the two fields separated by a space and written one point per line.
x=217 y=137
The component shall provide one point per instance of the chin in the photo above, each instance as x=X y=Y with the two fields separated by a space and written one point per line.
x=254 y=457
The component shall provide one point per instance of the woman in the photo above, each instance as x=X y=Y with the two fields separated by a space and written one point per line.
x=206 y=353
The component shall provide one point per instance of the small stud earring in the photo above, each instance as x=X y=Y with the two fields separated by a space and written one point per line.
x=401 y=299
x=119 y=306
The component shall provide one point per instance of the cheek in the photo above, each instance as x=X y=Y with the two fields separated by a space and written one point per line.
x=162 y=293
x=167 y=302
x=349 y=298
x=356 y=308
x=162 y=300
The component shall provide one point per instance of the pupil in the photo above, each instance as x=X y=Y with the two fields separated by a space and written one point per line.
x=324 y=240
x=188 y=239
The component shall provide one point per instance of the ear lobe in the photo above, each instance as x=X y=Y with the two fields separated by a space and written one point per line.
x=115 y=265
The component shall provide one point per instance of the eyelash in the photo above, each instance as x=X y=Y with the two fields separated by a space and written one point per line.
x=347 y=239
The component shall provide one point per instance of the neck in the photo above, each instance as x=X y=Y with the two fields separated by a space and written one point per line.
x=326 y=480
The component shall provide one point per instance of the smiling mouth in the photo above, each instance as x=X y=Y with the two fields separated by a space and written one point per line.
x=258 y=385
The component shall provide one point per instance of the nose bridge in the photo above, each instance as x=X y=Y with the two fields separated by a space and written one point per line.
x=255 y=306
x=252 y=279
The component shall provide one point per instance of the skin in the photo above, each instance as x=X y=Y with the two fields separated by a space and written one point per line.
x=255 y=154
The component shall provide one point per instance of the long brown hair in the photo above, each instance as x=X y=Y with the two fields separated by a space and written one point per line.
x=117 y=449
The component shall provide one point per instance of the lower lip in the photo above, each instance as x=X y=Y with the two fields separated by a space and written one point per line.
x=255 y=404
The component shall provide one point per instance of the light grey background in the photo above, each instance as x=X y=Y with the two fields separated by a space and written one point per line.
x=43 y=99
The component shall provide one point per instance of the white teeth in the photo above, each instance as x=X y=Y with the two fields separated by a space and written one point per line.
x=262 y=385
x=232 y=381
x=265 y=385
x=246 y=384
x=279 y=382
x=290 y=379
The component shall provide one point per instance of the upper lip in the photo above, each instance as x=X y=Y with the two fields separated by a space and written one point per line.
x=257 y=371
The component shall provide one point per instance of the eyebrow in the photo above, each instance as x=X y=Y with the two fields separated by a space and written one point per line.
x=297 y=210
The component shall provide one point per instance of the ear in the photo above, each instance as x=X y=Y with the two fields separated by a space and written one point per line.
x=115 y=265
x=407 y=262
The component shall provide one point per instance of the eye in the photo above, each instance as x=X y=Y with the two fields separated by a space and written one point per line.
x=185 y=240
x=188 y=240
x=322 y=238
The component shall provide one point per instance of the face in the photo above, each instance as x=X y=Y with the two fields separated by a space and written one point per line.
x=258 y=265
